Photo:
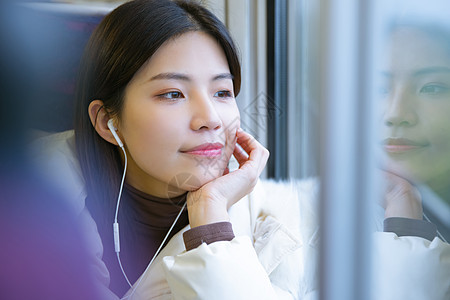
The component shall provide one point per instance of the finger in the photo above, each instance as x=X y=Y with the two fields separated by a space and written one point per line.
x=253 y=163
x=392 y=179
x=250 y=145
x=259 y=156
x=240 y=155
x=257 y=159
x=246 y=141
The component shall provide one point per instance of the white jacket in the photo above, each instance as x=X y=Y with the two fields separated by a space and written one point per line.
x=274 y=254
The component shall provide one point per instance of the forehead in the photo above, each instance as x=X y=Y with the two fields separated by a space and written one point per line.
x=409 y=49
x=194 y=53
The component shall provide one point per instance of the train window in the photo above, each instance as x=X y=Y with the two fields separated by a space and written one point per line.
x=383 y=159
x=356 y=97
x=352 y=99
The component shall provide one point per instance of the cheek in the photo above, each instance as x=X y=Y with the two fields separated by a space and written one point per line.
x=231 y=118
x=231 y=123
x=436 y=123
x=440 y=139
x=151 y=136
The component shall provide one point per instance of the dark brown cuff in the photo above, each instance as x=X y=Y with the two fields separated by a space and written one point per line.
x=210 y=233
x=410 y=227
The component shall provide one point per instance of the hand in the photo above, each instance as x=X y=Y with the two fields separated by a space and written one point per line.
x=210 y=203
x=401 y=199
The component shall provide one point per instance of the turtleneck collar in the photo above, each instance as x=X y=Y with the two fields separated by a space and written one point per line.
x=144 y=222
x=151 y=210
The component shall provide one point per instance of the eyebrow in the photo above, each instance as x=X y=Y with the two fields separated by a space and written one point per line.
x=184 y=77
x=170 y=76
x=223 y=76
x=431 y=70
x=421 y=72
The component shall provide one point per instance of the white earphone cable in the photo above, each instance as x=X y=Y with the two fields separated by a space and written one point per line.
x=116 y=233
x=116 y=224
x=438 y=233
x=156 y=254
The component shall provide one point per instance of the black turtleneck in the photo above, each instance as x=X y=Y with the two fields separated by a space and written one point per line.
x=144 y=222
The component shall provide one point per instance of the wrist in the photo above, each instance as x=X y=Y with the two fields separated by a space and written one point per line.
x=206 y=212
x=408 y=211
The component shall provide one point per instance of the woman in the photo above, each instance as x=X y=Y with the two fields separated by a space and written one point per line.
x=166 y=74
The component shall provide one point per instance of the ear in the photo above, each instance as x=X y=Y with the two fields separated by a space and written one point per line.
x=99 y=119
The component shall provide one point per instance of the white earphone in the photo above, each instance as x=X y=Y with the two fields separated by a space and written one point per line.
x=114 y=133
x=116 y=223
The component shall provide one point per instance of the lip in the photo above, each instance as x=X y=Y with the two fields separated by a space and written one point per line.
x=205 y=150
x=402 y=145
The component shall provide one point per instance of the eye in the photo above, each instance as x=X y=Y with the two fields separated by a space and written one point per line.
x=384 y=87
x=383 y=90
x=435 y=89
x=224 y=94
x=171 y=95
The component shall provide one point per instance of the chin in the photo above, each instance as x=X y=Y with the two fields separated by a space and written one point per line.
x=192 y=181
x=203 y=177
x=406 y=171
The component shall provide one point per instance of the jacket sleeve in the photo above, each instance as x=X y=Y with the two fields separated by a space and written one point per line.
x=410 y=267
x=221 y=270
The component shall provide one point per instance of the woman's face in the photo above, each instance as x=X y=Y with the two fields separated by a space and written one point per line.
x=416 y=106
x=180 y=117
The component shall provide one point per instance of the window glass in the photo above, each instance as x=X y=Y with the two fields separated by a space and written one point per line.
x=411 y=88
x=374 y=95
x=414 y=92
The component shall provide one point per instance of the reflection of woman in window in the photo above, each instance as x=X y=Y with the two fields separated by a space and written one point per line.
x=415 y=144
x=416 y=115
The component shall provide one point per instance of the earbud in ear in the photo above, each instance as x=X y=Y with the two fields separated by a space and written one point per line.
x=114 y=133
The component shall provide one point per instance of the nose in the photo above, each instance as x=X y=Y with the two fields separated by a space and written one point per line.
x=400 y=109
x=204 y=113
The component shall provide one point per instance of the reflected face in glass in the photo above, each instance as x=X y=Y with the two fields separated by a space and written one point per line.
x=179 y=117
x=416 y=106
